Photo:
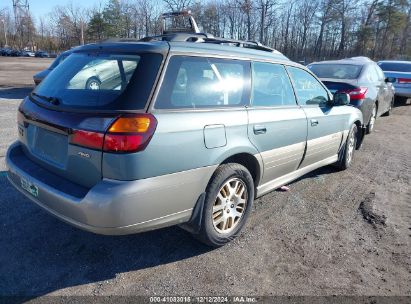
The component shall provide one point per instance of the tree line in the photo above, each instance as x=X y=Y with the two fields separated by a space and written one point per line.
x=304 y=30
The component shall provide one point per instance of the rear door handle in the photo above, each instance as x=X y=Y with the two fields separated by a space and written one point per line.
x=259 y=129
x=314 y=122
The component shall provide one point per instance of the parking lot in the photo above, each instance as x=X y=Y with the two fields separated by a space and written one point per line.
x=335 y=232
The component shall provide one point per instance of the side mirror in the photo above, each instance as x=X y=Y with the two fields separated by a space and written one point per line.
x=341 y=99
x=390 y=79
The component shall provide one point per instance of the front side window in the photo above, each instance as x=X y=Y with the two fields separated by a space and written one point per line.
x=271 y=86
x=308 y=90
x=198 y=82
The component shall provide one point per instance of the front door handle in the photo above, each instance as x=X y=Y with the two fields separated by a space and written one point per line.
x=314 y=122
x=259 y=129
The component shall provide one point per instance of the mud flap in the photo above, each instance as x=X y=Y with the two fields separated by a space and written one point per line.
x=194 y=224
x=361 y=135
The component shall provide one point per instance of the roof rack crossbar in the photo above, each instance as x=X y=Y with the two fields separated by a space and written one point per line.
x=240 y=43
x=177 y=37
x=208 y=38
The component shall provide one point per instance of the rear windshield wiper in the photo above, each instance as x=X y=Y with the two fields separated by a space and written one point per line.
x=52 y=100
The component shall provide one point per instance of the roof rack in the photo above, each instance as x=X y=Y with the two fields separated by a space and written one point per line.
x=208 y=38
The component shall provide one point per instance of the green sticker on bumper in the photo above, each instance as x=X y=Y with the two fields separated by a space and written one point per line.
x=29 y=187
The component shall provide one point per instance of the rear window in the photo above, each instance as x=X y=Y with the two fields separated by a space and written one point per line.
x=198 y=82
x=395 y=66
x=336 y=71
x=101 y=81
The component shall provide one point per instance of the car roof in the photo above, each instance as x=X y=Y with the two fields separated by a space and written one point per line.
x=396 y=61
x=163 y=47
x=124 y=46
x=352 y=61
x=226 y=51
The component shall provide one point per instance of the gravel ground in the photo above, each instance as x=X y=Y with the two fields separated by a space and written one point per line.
x=333 y=233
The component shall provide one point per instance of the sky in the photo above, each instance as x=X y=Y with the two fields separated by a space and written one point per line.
x=40 y=8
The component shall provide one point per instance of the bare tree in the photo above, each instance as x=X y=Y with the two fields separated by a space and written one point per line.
x=178 y=5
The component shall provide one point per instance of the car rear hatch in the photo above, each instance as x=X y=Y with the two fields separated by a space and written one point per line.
x=63 y=125
x=46 y=138
x=400 y=70
x=402 y=79
x=350 y=87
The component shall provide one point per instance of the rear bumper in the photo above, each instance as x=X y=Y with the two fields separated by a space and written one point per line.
x=403 y=92
x=362 y=106
x=111 y=207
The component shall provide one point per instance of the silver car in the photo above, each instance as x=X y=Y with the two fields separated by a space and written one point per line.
x=190 y=131
x=361 y=78
x=400 y=74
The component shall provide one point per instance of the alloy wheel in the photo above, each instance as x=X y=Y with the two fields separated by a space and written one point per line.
x=351 y=147
x=230 y=205
x=372 y=119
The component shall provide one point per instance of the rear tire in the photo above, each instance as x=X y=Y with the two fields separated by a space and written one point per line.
x=388 y=113
x=93 y=83
x=401 y=100
x=371 y=123
x=228 y=203
x=347 y=152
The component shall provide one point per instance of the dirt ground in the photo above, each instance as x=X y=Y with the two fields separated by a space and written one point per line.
x=19 y=71
x=334 y=233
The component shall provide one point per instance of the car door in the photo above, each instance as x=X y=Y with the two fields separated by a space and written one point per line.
x=277 y=125
x=385 y=91
x=326 y=124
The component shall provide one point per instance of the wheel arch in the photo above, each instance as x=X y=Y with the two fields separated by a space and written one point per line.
x=377 y=106
x=250 y=162
x=360 y=134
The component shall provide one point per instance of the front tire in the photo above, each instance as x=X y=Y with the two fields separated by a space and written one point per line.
x=347 y=153
x=228 y=202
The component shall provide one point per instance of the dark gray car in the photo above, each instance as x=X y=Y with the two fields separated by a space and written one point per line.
x=361 y=78
x=59 y=59
x=187 y=130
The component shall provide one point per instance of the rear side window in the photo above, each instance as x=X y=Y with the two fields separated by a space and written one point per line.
x=198 y=82
x=371 y=74
x=102 y=81
x=271 y=86
x=380 y=73
x=308 y=90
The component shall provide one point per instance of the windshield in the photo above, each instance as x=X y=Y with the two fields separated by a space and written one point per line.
x=58 y=60
x=97 y=80
x=395 y=66
x=336 y=71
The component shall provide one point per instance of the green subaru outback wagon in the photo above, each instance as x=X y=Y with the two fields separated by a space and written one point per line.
x=183 y=129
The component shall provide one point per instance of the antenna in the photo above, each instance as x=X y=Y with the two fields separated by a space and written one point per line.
x=21 y=14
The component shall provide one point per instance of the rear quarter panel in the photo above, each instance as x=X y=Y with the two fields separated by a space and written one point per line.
x=178 y=144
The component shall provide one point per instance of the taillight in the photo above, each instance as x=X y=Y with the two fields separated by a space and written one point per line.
x=404 y=80
x=356 y=94
x=88 y=139
x=130 y=133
